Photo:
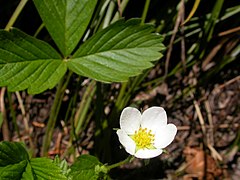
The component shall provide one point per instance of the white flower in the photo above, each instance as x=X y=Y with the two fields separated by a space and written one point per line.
x=145 y=135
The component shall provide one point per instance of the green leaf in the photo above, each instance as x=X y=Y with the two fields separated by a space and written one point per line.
x=12 y=153
x=62 y=164
x=84 y=168
x=15 y=165
x=13 y=160
x=26 y=62
x=13 y=171
x=122 y=50
x=1 y=119
x=118 y=52
x=28 y=173
x=66 y=20
x=44 y=168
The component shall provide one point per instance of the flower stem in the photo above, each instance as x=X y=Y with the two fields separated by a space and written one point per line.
x=129 y=159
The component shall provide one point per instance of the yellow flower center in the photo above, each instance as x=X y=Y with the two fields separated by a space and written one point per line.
x=143 y=138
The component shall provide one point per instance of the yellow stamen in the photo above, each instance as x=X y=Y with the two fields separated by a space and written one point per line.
x=143 y=138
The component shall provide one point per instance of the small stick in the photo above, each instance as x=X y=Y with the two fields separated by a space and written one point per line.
x=210 y=120
x=175 y=29
x=214 y=153
x=183 y=48
x=230 y=31
x=200 y=117
x=5 y=130
x=25 y=119
x=227 y=83
x=119 y=7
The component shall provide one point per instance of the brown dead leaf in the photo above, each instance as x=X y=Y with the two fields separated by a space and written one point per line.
x=195 y=167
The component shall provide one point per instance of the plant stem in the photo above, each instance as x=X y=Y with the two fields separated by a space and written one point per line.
x=129 y=159
x=122 y=7
x=38 y=30
x=81 y=113
x=121 y=95
x=5 y=129
x=13 y=114
x=109 y=14
x=16 y=14
x=145 y=11
x=10 y=23
x=54 y=113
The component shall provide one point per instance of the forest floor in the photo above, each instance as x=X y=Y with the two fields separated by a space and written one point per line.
x=208 y=122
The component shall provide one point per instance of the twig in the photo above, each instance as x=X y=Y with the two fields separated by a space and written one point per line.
x=210 y=141
x=183 y=48
x=230 y=31
x=214 y=153
x=13 y=115
x=122 y=7
x=177 y=24
x=57 y=150
x=119 y=7
x=5 y=130
x=25 y=119
x=10 y=23
x=58 y=143
x=211 y=55
x=200 y=117
x=210 y=120
x=227 y=83
x=205 y=140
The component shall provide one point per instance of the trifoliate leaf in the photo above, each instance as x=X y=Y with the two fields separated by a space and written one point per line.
x=122 y=50
x=118 y=52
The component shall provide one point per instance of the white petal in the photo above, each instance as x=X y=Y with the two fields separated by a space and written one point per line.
x=153 y=118
x=165 y=135
x=126 y=141
x=130 y=120
x=148 y=153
